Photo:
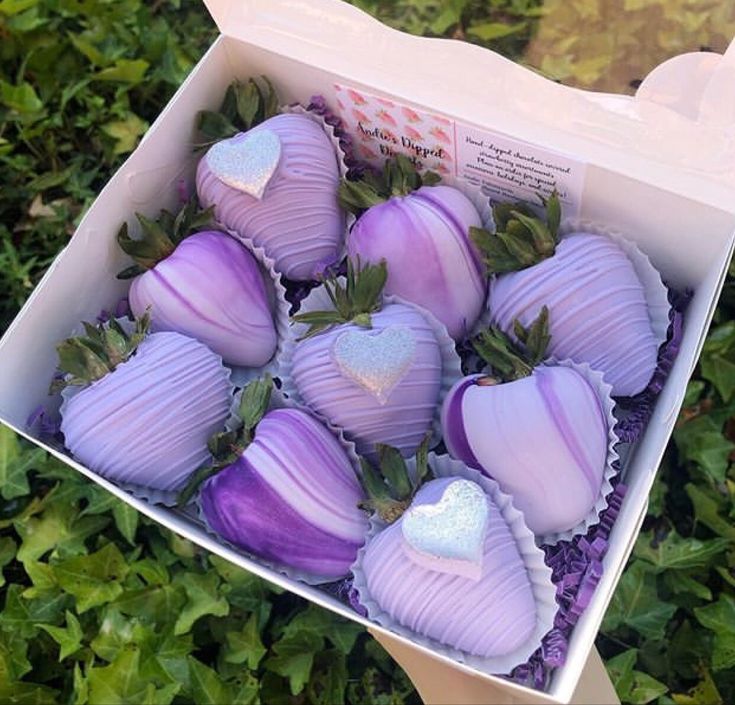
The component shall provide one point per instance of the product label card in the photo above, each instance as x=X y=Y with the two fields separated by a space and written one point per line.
x=507 y=169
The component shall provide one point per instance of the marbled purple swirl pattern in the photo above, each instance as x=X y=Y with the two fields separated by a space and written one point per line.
x=424 y=237
x=598 y=311
x=490 y=617
x=291 y=497
x=298 y=221
x=543 y=438
x=148 y=422
x=407 y=414
x=211 y=288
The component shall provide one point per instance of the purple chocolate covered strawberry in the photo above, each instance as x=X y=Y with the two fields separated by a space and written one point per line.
x=148 y=403
x=273 y=180
x=203 y=284
x=542 y=432
x=422 y=231
x=288 y=492
x=598 y=305
x=374 y=370
x=450 y=567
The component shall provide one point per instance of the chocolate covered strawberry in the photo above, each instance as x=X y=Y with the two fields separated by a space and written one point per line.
x=202 y=283
x=273 y=180
x=456 y=564
x=541 y=431
x=421 y=230
x=147 y=404
x=598 y=304
x=374 y=370
x=285 y=490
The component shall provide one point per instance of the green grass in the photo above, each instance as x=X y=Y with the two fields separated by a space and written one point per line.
x=101 y=605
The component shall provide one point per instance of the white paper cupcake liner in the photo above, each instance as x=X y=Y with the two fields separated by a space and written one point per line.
x=167 y=498
x=277 y=401
x=281 y=307
x=604 y=392
x=654 y=290
x=539 y=574
x=318 y=300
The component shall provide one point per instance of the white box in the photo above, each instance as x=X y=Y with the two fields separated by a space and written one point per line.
x=661 y=168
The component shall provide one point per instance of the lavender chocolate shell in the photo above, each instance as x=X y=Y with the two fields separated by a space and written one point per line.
x=599 y=313
x=424 y=238
x=148 y=422
x=489 y=615
x=543 y=438
x=296 y=219
x=292 y=497
x=211 y=288
x=379 y=384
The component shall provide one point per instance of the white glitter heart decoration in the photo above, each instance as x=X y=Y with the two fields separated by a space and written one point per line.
x=450 y=533
x=246 y=163
x=376 y=361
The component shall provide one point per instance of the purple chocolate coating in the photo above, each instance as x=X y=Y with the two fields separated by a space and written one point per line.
x=543 y=438
x=148 y=422
x=298 y=221
x=489 y=617
x=405 y=417
x=597 y=304
x=424 y=237
x=211 y=288
x=291 y=497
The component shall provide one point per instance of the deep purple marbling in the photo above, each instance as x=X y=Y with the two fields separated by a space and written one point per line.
x=489 y=617
x=403 y=419
x=211 y=288
x=148 y=421
x=298 y=221
x=424 y=238
x=291 y=497
x=597 y=305
x=543 y=438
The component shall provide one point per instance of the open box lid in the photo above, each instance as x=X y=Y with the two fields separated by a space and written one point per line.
x=677 y=132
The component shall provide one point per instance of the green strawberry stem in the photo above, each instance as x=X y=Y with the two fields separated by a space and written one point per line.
x=398 y=178
x=520 y=239
x=161 y=236
x=510 y=360
x=87 y=358
x=389 y=486
x=245 y=106
x=353 y=301
x=226 y=447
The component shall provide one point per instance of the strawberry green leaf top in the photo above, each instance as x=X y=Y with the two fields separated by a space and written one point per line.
x=508 y=359
x=88 y=358
x=521 y=239
x=353 y=302
x=245 y=105
x=398 y=178
x=161 y=236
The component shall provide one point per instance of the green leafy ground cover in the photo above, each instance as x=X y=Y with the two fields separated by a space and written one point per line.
x=100 y=605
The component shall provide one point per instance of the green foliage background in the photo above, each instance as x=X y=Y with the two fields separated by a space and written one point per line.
x=100 y=605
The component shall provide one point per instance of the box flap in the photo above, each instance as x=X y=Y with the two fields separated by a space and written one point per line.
x=674 y=133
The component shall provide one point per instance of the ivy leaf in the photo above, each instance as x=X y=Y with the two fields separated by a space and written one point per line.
x=329 y=680
x=207 y=687
x=94 y=579
x=202 y=599
x=245 y=645
x=707 y=506
x=636 y=604
x=701 y=441
x=720 y=618
x=294 y=657
x=317 y=621
x=22 y=615
x=679 y=583
x=124 y=71
x=119 y=682
x=677 y=553
x=7 y=553
x=69 y=638
x=126 y=520
x=114 y=634
x=125 y=133
x=15 y=462
x=704 y=692
x=633 y=686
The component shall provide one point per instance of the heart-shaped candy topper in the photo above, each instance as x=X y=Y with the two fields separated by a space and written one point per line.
x=376 y=361
x=449 y=536
x=246 y=163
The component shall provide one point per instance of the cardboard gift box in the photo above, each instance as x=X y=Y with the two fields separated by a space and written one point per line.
x=659 y=167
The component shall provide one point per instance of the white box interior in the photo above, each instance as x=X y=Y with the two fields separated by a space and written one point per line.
x=688 y=240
